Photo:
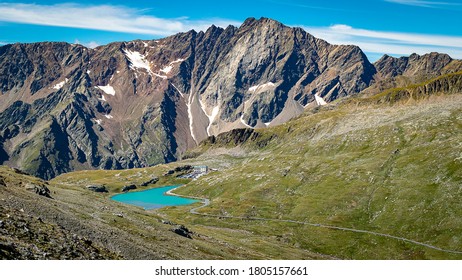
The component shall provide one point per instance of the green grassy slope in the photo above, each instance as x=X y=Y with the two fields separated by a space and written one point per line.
x=148 y=229
x=393 y=170
x=364 y=178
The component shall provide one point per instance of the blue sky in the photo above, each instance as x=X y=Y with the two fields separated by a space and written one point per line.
x=394 y=27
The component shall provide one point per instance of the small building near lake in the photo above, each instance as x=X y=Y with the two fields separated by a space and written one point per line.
x=201 y=169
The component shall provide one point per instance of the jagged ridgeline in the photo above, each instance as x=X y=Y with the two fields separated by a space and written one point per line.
x=65 y=107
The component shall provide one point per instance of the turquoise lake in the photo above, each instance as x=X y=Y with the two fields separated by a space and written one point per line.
x=153 y=198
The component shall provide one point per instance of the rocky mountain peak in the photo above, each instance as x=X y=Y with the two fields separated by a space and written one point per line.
x=253 y=24
x=132 y=104
x=248 y=22
x=431 y=63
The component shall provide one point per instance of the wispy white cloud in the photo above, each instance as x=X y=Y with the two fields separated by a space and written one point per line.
x=426 y=4
x=91 y=44
x=128 y=20
x=298 y=5
x=101 y=17
x=392 y=43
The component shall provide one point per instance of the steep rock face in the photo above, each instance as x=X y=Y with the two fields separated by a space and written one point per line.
x=131 y=104
x=447 y=84
x=27 y=69
x=401 y=72
x=414 y=65
x=56 y=125
x=235 y=137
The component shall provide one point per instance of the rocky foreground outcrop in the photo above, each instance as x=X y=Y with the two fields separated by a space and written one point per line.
x=28 y=233
x=24 y=237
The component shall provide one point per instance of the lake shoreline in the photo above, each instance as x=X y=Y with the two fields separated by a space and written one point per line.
x=154 y=198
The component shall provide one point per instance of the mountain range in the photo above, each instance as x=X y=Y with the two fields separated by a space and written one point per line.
x=65 y=107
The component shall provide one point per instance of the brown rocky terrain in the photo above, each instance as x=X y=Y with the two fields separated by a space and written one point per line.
x=26 y=230
x=395 y=72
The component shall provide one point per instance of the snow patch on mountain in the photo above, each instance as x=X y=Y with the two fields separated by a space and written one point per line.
x=254 y=88
x=107 y=89
x=109 y=116
x=60 y=85
x=260 y=87
x=169 y=67
x=160 y=76
x=177 y=61
x=211 y=117
x=137 y=60
x=243 y=122
x=190 y=116
x=166 y=69
x=182 y=95
x=320 y=100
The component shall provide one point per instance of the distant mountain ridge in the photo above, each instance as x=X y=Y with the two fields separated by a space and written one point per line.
x=65 y=107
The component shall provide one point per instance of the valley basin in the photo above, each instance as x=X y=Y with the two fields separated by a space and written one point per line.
x=153 y=198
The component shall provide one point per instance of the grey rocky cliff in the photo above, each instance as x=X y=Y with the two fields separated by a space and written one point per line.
x=414 y=65
x=400 y=72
